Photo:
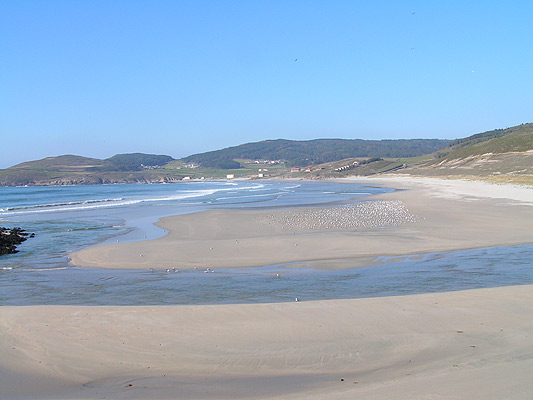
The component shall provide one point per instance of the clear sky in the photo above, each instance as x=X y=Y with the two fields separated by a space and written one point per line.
x=96 y=78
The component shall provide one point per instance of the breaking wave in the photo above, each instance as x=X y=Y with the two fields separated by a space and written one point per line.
x=123 y=201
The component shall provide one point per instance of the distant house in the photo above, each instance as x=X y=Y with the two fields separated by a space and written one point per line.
x=346 y=167
x=230 y=176
x=150 y=166
x=271 y=162
x=294 y=169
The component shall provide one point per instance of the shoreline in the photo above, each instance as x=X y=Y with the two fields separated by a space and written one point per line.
x=446 y=216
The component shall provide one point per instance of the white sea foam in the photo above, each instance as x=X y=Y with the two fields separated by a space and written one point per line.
x=356 y=193
x=41 y=269
x=84 y=205
x=55 y=205
x=252 y=195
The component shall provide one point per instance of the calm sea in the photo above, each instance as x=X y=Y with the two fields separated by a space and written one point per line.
x=69 y=218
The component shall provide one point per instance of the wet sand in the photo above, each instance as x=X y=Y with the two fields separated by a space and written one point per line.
x=461 y=345
x=428 y=216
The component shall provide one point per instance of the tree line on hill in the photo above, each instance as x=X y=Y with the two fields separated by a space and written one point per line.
x=133 y=162
x=517 y=138
x=310 y=152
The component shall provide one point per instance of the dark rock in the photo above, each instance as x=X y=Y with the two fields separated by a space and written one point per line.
x=11 y=238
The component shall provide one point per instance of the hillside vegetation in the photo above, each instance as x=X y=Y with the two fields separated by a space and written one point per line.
x=61 y=163
x=515 y=139
x=119 y=162
x=78 y=170
x=313 y=152
x=499 y=155
x=136 y=161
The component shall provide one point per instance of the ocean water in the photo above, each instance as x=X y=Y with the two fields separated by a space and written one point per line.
x=69 y=218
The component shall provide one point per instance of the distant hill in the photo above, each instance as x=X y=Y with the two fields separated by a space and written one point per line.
x=78 y=170
x=119 y=162
x=498 y=155
x=313 y=152
x=516 y=139
x=65 y=163
x=136 y=161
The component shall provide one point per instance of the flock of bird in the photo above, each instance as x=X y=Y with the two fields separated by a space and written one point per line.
x=369 y=214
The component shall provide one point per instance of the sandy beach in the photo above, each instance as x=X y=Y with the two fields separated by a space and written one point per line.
x=428 y=215
x=462 y=345
x=472 y=344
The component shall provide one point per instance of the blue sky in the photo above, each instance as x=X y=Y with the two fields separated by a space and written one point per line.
x=96 y=78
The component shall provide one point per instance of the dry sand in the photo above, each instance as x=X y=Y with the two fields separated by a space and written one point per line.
x=462 y=345
x=448 y=215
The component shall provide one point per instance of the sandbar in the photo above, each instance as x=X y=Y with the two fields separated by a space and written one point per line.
x=430 y=215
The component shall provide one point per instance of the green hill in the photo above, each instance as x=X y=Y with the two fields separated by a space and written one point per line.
x=313 y=152
x=136 y=161
x=502 y=155
x=63 y=163
x=119 y=162
x=516 y=139
x=78 y=170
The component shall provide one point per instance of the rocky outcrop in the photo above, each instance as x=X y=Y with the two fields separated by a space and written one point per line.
x=11 y=238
